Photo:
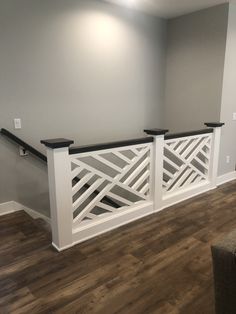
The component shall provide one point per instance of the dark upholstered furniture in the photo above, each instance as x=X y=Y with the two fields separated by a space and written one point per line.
x=224 y=269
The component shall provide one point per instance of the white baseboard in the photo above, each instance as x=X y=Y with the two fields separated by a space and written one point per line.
x=33 y=213
x=8 y=208
x=230 y=176
x=12 y=206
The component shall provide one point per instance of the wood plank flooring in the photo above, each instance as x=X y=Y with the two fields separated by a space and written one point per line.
x=160 y=264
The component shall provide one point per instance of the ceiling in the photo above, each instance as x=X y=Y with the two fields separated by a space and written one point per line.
x=169 y=8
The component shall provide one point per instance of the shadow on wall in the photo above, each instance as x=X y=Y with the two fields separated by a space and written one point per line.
x=28 y=184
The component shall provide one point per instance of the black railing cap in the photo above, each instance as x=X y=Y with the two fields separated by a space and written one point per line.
x=214 y=124
x=172 y=136
x=57 y=142
x=96 y=147
x=156 y=131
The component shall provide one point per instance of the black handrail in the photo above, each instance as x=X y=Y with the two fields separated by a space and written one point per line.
x=171 y=136
x=41 y=156
x=96 y=147
x=23 y=144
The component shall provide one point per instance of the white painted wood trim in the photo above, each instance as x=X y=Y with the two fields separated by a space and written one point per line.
x=8 y=208
x=33 y=213
x=227 y=177
x=158 y=161
x=60 y=192
x=109 y=223
x=12 y=207
x=180 y=196
x=63 y=248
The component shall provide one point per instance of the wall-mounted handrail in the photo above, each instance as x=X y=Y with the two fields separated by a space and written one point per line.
x=96 y=147
x=42 y=157
x=23 y=144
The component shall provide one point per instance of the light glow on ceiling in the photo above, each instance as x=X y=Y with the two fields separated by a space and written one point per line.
x=127 y=3
x=97 y=34
x=168 y=8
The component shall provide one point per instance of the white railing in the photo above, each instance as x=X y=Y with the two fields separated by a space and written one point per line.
x=120 y=174
x=97 y=188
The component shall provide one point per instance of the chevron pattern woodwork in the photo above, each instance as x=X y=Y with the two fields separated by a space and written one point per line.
x=186 y=162
x=120 y=174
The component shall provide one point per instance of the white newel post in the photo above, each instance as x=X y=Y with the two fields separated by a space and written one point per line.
x=159 y=142
x=215 y=151
x=60 y=191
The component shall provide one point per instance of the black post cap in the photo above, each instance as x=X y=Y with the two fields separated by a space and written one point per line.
x=214 y=124
x=156 y=131
x=57 y=143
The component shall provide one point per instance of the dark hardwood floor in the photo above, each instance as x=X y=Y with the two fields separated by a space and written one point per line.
x=160 y=264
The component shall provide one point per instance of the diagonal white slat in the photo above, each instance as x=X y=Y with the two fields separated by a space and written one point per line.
x=204 y=165
x=188 y=163
x=198 y=179
x=197 y=148
x=81 y=183
x=123 y=157
x=183 y=146
x=106 y=207
x=205 y=155
x=120 y=198
x=104 y=192
x=201 y=174
x=171 y=163
x=135 y=151
x=132 y=176
x=87 y=193
x=129 y=189
x=91 y=169
x=168 y=173
x=140 y=181
x=145 y=188
x=171 y=144
x=175 y=177
x=193 y=145
x=93 y=203
x=138 y=150
x=108 y=163
x=91 y=216
x=181 y=180
x=190 y=179
x=133 y=167
x=105 y=176
x=75 y=172
x=187 y=154
x=189 y=160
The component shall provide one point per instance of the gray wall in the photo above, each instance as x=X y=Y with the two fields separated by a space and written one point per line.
x=195 y=64
x=84 y=70
x=228 y=143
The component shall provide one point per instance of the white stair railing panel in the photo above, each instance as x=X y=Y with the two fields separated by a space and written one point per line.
x=131 y=174
x=94 y=189
x=187 y=150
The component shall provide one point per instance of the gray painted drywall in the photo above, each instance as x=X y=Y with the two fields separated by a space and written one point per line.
x=23 y=179
x=84 y=70
x=228 y=142
x=195 y=63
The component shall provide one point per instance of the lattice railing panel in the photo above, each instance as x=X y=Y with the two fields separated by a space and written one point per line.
x=186 y=162
x=110 y=181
